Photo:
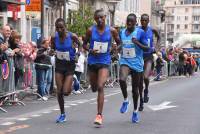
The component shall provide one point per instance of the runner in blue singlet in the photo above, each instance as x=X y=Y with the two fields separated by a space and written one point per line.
x=148 y=58
x=62 y=43
x=131 y=62
x=99 y=59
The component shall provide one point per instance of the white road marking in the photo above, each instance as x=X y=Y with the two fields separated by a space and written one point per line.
x=73 y=104
x=56 y=109
x=46 y=112
x=67 y=106
x=164 y=105
x=35 y=115
x=7 y=123
x=23 y=119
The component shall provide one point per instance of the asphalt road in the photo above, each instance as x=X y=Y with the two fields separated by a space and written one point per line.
x=174 y=108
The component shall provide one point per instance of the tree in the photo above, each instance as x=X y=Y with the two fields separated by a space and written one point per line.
x=79 y=21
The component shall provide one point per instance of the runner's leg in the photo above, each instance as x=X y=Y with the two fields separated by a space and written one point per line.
x=59 y=82
x=136 y=77
x=141 y=93
x=93 y=80
x=147 y=71
x=102 y=78
x=124 y=72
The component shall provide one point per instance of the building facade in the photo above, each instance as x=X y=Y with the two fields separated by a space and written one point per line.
x=182 y=17
x=12 y=12
x=109 y=6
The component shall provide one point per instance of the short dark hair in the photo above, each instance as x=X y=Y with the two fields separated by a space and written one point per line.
x=60 y=20
x=98 y=11
x=132 y=15
x=144 y=15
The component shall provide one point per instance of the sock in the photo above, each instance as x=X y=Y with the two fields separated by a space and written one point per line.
x=126 y=99
x=135 y=111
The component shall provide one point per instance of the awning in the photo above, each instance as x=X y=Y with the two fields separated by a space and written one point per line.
x=13 y=2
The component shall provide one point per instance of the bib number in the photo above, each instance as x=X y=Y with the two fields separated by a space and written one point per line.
x=102 y=47
x=149 y=41
x=128 y=53
x=63 y=55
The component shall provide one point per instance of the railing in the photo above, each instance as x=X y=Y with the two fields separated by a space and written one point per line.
x=7 y=84
x=27 y=83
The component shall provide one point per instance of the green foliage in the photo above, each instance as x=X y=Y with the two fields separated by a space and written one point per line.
x=79 y=21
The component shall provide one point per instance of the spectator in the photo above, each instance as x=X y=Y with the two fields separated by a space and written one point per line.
x=44 y=69
x=29 y=51
x=181 y=63
x=14 y=42
x=4 y=36
x=79 y=69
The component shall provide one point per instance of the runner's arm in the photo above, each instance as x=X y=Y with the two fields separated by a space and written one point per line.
x=142 y=43
x=52 y=43
x=157 y=36
x=86 y=39
x=116 y=36
x=76 y=40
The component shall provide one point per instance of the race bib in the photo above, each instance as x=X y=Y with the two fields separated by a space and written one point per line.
x=128 y=53
x=63 y=55
x=149 y=41
x=102 y=47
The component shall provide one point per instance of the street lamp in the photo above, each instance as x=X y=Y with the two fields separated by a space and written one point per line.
x=112 y=8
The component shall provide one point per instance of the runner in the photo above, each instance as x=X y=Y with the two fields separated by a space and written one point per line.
x=99 y=59
x=131 y=62
x=148 y=58
x=62 y=43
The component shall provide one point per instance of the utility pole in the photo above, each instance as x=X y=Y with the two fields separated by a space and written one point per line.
x=112 y=8
x=64 y=10
x=42 y=19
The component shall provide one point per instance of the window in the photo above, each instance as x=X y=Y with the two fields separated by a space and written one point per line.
x=196 y=18
x=196 y=27
x=181 y=2
x=172 y=10
x=186 y=26
x=178 y=26
x=186 y=17
x=174 y=2
x=186 y=10
x=178 y=18
x=195 y=1
x=172 y=26
x=191 y=1
x=187 y=1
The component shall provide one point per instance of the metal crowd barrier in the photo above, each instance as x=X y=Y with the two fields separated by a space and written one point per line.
x=164 y=70
x=113 y=81
x=7 y=84
x=172 y=68
x=30 y=82
x=163 y=74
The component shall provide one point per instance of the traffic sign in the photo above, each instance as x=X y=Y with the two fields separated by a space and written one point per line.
x=28 y=2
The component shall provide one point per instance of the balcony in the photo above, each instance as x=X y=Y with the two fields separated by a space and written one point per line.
x=195 y=22
x=195 y=30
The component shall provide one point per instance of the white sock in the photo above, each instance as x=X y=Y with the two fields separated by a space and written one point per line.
x=126 y=99
x=136 y=110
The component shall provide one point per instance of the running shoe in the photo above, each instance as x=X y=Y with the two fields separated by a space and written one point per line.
x=141 y=108
x=124 y=107
x=135 y=117
x=98 y=119
x=61 y=118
